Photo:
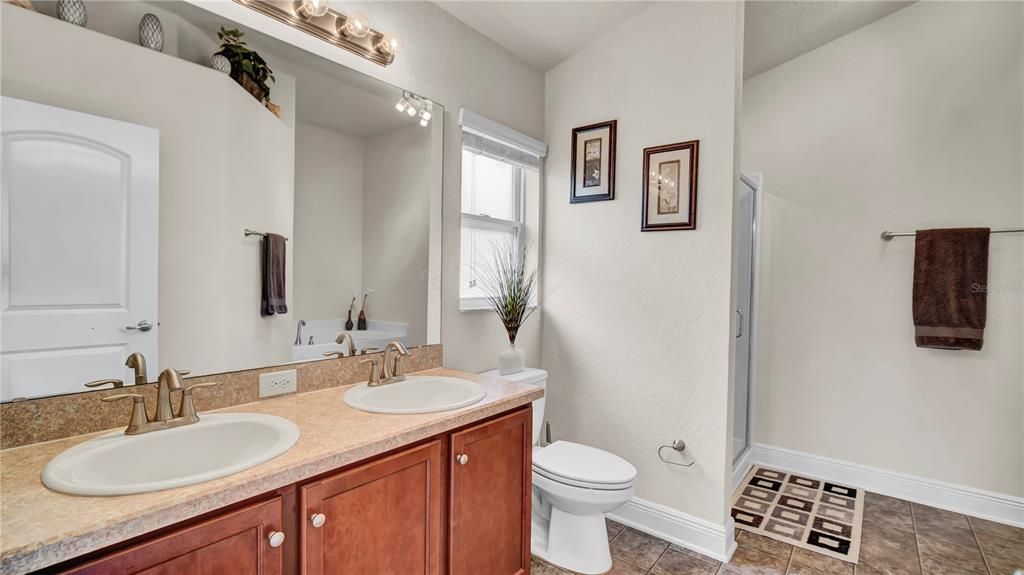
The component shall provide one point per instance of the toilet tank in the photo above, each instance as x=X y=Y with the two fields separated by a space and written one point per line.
x=531 y=376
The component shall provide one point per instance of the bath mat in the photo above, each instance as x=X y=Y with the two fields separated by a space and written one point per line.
x=809 y=513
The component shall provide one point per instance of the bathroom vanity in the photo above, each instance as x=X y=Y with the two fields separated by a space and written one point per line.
x=445 y=492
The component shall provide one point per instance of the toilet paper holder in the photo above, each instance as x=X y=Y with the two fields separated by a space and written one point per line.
x=679 y=446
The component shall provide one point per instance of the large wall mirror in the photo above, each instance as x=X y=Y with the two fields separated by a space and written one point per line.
x=131 y=177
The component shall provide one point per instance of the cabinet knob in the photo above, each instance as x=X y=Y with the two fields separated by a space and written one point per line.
x=318 y=520
x=462 y=459
x=276 y=538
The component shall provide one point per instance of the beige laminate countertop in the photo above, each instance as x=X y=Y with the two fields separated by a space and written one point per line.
x=39 y=527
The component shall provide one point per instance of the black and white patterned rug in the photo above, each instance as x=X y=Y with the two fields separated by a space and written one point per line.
x=813 y=514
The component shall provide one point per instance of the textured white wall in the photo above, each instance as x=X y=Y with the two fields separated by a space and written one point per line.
x=445 y=60
x=328 y=234
x=636 y=328
x=914 y=121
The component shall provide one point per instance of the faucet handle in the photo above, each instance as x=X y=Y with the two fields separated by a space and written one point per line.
x=187 y=409
x=366 y=350
x=138 y=397
x=139 y=417
x=100 y=382
x=334 y=354
x=188 y=390
x=183 y=372
x=374 y=370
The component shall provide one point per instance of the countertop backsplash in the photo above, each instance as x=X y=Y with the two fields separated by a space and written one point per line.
x=49 y=418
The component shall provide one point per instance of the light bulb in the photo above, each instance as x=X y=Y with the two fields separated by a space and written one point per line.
x=356 y=25
x=313 y=8
x=425 y=114
x=411 y=110
x=388 y=45
x=424 y=121
x=402 y=104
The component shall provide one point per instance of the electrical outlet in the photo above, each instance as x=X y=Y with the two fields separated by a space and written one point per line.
x=278 y=382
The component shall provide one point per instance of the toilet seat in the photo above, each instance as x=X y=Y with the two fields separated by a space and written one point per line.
x=583 y=466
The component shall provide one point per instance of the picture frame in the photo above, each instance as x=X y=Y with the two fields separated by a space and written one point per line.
x=593 y=163
x=670 y=187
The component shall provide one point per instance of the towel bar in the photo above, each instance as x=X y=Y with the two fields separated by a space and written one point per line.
x=890 y=235
x=249 y=232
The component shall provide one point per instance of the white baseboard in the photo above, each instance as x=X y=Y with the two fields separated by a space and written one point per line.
x=741 y=468
x=967 y=500
x=683 y=529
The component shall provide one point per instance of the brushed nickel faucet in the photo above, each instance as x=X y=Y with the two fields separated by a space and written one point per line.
x=389 y=368
x=342 y=338
x=394 y=351
x=170 y=379
x=137 y=361
x=298 y=331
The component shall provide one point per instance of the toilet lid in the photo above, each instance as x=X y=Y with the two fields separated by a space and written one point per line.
x=583 y=463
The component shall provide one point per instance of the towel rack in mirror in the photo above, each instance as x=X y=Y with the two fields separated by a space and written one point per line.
x=890 y=235
x=249 y=232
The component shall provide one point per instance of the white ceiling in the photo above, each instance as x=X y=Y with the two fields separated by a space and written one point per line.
x=778 y=31
x=542 y=33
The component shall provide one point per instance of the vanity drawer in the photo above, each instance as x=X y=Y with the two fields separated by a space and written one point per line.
x=246 y=541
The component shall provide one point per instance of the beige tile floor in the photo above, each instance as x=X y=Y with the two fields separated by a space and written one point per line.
x=899 y=538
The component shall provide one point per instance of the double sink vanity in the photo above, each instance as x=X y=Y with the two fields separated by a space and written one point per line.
x=430 y=474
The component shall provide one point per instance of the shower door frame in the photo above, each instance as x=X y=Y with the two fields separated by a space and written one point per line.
x=740 y=460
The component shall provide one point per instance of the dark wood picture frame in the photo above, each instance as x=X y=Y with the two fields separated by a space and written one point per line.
x=691 y=222
x=576 y=133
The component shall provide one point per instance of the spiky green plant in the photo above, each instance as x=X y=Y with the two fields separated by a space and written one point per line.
x=509 y=287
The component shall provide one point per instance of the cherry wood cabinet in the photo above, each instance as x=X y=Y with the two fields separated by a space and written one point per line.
x=381 y=517
x=237 y=542
x=456 y=503
x=490 y=497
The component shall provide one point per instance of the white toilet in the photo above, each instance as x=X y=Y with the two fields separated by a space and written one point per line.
x=573 y=487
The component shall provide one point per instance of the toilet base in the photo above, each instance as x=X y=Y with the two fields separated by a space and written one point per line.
x=575 y=542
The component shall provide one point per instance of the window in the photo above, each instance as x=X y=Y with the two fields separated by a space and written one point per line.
x=499 y=181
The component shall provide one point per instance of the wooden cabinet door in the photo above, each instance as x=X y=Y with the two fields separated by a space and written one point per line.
x=236 y=542
x=382 y=518
x=490 y=497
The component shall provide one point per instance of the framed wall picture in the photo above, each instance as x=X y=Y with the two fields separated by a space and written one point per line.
x=593 y=163
x=670 y=187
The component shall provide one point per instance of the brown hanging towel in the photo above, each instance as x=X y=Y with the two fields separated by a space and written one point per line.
x=272 y=300
x=950 y=288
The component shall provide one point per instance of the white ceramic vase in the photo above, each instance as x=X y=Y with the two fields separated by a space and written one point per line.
x=512 y=360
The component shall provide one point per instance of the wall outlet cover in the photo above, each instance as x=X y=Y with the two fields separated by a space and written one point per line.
x=278 y=382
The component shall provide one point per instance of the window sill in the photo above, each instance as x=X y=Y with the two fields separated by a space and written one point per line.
x=471 y=305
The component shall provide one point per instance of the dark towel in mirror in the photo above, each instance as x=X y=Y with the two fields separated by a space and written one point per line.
x=950 y=288
x=272 y=275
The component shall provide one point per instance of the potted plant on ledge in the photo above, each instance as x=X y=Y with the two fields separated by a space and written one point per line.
x=510 y=290
x=248 y=68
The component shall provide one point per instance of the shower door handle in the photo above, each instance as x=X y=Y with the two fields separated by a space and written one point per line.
x=739 y=324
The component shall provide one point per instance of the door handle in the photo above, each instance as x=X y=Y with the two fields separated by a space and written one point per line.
x=739 y=324
x=144 y=325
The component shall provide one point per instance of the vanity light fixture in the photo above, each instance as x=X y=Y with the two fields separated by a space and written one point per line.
x=355 y=25
x=414 y=105
x=313 y=8
x=349 y=31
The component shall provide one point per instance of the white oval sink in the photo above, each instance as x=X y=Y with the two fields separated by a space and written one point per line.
x=218 y=445
x=417 y=394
